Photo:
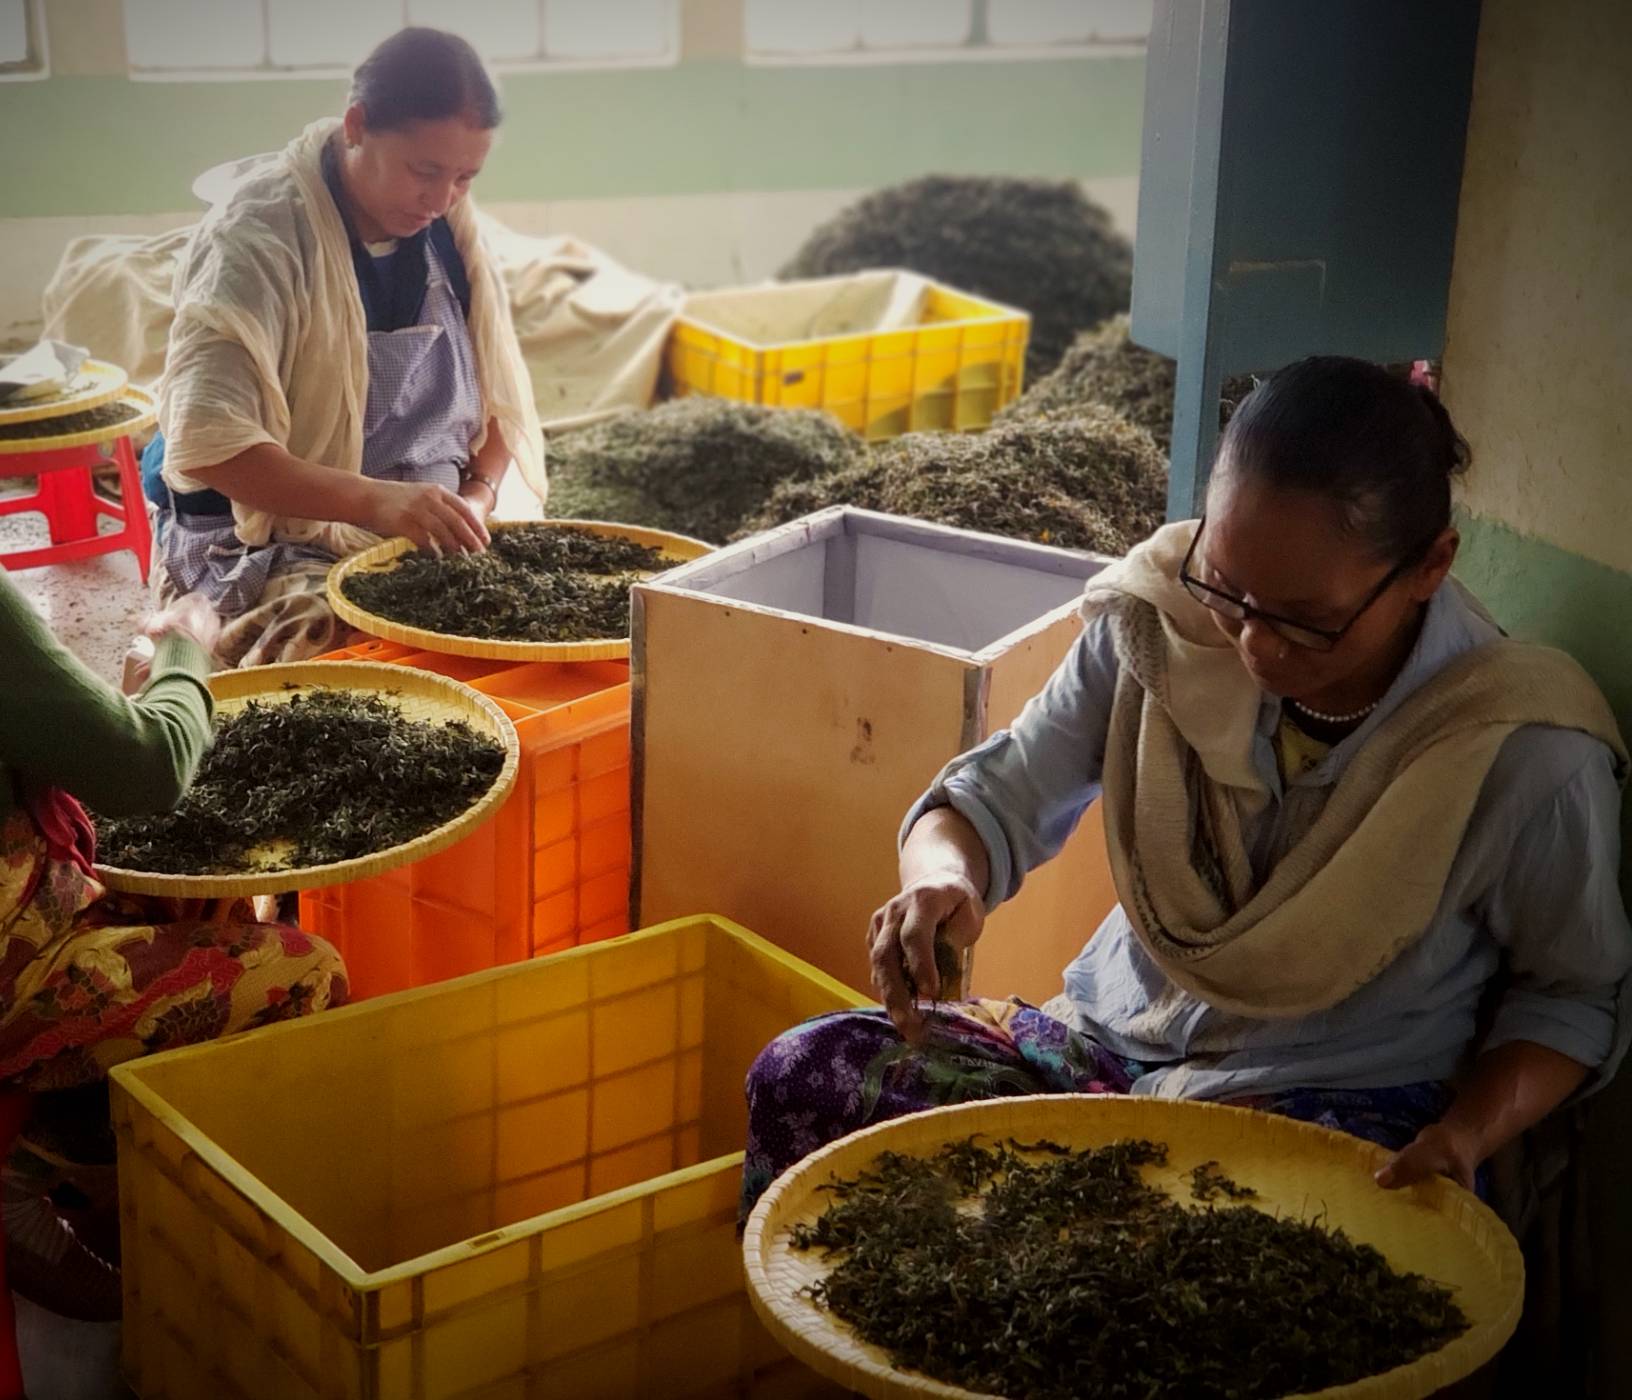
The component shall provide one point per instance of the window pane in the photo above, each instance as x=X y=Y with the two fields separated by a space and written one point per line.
x=180 y=34
x=803 y=26
x=326 y=34
x=915 y=24
x=13 y=31
x=496 y=29
x=1067 y=21
x=598 y=29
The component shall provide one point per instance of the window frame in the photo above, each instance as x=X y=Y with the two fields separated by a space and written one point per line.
x=538 y=63
x=37 y=64
x=977 y=49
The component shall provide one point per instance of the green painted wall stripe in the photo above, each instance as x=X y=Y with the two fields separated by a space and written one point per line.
x=107 y=145
x=1543 y=593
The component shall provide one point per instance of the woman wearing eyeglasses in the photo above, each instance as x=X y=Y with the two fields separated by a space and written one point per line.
x=1366 y=847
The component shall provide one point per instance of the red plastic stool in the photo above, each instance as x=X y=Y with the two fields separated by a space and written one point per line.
x=14 y=1110
x=71 y=504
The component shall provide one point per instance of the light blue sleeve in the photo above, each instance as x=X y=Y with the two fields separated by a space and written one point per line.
x=1025 y=789
x=1558 y=915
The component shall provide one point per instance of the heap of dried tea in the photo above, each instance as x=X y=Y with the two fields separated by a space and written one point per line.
x=1105 y=369
x=1040 y=245
x=1088 y=481
x=535 y=583
x=1029 y=1269
x=698 y=466
x=326 y=775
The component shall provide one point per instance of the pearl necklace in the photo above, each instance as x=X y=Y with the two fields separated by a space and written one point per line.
x=1324 y=718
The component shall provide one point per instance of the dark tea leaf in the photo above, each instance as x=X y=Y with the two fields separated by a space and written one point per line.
x=1071 y=1276
x=535 y=583
x=331 y=774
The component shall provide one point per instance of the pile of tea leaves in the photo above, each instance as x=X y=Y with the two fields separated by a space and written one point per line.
x=1039 y=245
x=1089 y=480
x=1105 y=369
x=326 y=775
x=1034 y=1270
x=697 y=466
x=534 y=583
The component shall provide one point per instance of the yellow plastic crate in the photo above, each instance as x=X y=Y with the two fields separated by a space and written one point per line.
x=958 y=362
x=522 y=1183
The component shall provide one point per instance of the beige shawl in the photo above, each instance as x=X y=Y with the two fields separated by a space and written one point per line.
x=1364 y=883
x=270 y=271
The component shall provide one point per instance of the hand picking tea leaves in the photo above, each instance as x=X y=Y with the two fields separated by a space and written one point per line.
x=1030 y=1269
x=535 y=583
x=327 y=775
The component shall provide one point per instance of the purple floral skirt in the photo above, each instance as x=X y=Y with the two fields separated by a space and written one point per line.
x=846 y=1070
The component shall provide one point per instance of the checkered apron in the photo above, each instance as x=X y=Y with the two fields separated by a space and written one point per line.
x=424 y=410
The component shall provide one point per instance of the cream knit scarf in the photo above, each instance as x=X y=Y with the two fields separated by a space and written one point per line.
x=1364 y=882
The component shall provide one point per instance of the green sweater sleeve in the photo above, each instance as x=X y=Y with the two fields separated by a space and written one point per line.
x=62 y=726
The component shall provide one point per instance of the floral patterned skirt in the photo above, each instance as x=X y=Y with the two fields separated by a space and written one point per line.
x=840 y=1072
x=88 y=978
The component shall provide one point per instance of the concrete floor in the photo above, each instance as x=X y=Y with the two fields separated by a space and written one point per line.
x=94 y=605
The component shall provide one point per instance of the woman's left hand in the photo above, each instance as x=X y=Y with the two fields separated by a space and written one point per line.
x=1438 y=1150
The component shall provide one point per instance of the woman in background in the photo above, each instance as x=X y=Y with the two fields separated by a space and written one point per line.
x=342 y=364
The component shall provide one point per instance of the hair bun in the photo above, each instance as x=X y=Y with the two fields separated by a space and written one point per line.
x=1454 y=453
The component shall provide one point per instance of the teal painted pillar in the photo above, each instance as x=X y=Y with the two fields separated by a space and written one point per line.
x=1298 y=191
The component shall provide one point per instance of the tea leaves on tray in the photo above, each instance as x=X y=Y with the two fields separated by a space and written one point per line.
x=535 y=583
x=1068 y=1276
x=331 y=774
x=111 y=416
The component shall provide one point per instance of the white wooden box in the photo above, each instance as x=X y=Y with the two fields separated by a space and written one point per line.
x=796 y=692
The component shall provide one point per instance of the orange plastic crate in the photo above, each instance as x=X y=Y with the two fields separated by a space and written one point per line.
x=549 y=872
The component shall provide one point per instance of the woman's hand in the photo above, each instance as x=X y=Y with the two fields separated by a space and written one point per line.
x=191 y=615
x=901 y=942
x=433 y=517
x=1439 y=1149
x=1508 y=1090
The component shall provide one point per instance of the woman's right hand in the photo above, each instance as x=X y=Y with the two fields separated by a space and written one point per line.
x=433 y=517
x=191 y=615
x=901 y=942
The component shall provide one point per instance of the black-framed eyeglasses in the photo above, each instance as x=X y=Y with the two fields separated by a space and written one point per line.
x=1298 y=633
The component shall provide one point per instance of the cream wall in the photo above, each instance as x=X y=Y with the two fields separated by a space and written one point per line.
x=707 y=172
x=1539 y=355
x=1538 y=375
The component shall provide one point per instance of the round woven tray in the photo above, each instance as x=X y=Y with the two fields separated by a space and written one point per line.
x=1301 y=1171
x=94 y=384
x=384 y=556
x=142 y=414
x=422 y=695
